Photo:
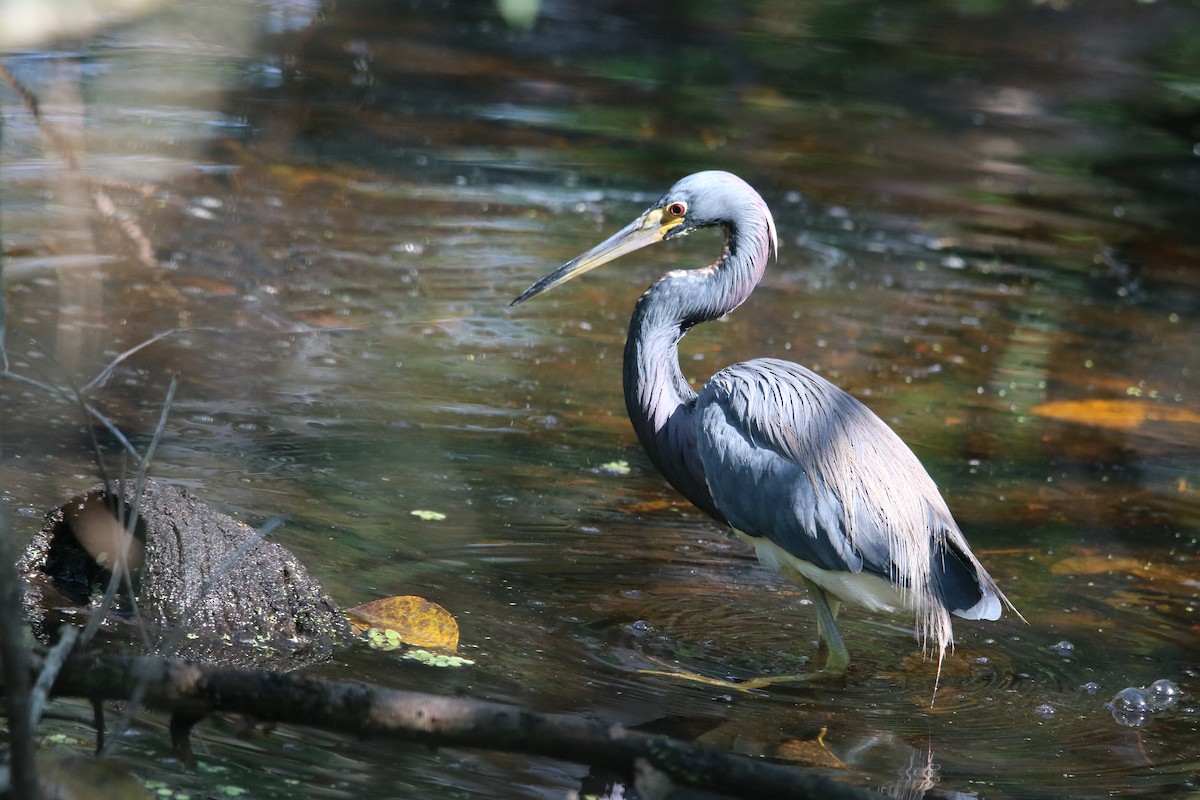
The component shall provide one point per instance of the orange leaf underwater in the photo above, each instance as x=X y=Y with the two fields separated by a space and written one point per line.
x=1116 y=414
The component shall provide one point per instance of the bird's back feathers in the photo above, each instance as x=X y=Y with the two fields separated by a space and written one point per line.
x=790 y=457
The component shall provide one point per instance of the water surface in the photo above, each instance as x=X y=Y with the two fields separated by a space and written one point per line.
x=986 y=214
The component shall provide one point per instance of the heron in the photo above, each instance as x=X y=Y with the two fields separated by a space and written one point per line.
x=818 y=484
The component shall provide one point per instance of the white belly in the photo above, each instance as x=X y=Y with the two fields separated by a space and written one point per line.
x=860 y=589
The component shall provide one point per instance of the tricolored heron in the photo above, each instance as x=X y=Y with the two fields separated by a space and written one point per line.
x=820 y=486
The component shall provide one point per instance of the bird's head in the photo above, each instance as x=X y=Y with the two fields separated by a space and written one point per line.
x=701 y=200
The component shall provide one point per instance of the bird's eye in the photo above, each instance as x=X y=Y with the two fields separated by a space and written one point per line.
x=677 y=209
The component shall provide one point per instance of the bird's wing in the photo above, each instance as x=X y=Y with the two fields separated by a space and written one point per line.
x=791 y=457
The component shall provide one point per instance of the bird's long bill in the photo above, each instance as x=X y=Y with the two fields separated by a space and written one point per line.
x=645 y=230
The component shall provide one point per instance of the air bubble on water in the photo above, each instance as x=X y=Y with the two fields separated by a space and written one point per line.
x=1131 y=698
x=1045 y=711
x=1091 y=687
x=1133 y=705
x=1130 y=719
x=1164 y=693
x=1063 y=648
x=1130 y=707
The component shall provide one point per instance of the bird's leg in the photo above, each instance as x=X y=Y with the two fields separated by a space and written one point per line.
x=837 y=660
x=746 y=685
x=678 y=673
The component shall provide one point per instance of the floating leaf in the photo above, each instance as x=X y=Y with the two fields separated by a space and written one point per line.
x=615 y=467
x=413 y=620
x=438 y=659
x=1094 y=563
x=648 y=506
x=384 y=639
x=1114 y=414
x=327 y=321
x=210 y=287
x=428 y=516
x=299 y=178
x=810 y=752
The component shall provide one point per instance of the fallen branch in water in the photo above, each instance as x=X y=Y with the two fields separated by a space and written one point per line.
x=189 y=691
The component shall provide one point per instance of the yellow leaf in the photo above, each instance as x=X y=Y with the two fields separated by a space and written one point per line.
x=810 y=752
x=1115 y=414
x=416 y=620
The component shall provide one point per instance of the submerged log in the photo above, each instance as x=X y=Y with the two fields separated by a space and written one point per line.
x=194 y=582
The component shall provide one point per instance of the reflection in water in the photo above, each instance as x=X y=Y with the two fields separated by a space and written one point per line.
x=916 y=777
x=983 y=212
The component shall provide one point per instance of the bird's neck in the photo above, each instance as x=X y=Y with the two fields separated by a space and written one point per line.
x=657 y=394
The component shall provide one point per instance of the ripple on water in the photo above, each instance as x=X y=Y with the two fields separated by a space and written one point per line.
x=1013 y=706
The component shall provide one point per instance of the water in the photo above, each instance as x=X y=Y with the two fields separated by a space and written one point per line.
x=986 y=216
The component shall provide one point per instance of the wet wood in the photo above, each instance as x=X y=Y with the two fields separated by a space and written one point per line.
x=195 y=582
x=188 y=690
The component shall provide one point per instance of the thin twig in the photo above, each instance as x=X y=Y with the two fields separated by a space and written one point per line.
x=183 y=626
x=51 y=664
x=103 y=203
x=128 y=225
x=130 y=522
x=72 y=393
x=16 y=672
x=48 y=130
x=104 y=374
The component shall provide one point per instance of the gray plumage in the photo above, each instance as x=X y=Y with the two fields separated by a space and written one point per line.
x=812 y=478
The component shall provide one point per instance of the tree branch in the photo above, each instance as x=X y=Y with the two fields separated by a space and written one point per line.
x=189 y=690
